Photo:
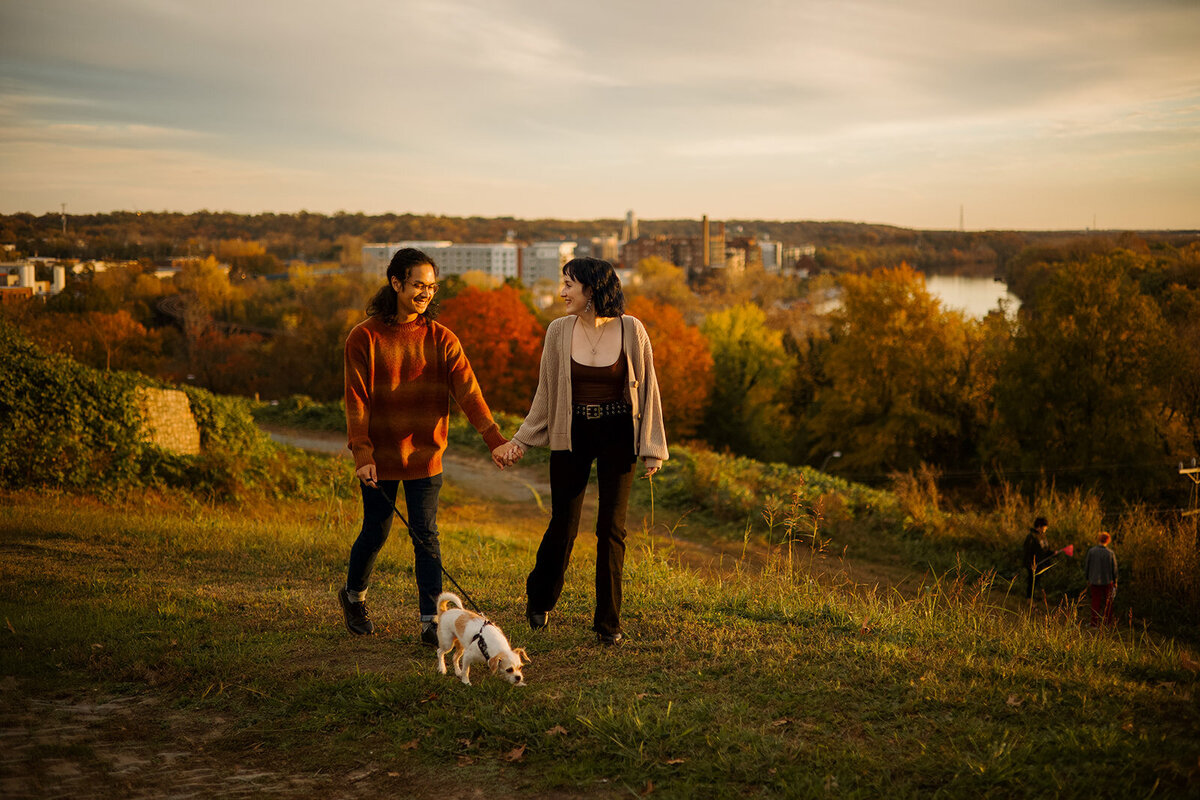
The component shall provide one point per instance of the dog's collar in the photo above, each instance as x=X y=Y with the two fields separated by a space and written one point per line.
x=478 y=639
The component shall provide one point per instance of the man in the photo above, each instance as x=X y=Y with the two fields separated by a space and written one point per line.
x=1101 y=570
x=1037 y=555
x=402 y=368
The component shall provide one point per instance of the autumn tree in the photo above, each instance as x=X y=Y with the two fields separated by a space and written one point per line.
x=1078 y=395
x=899 y=382
x=503 y=340
x=746 y=411
x=682 y=362
x=662 y=282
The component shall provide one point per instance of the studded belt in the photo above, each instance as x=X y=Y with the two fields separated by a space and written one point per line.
x=598 y=410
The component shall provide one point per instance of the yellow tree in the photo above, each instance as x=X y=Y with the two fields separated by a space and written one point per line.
x=899 y=379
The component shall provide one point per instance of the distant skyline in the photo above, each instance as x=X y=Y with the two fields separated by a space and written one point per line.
x=1027 y=115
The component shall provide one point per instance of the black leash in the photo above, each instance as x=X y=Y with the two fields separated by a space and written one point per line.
x=417 y=543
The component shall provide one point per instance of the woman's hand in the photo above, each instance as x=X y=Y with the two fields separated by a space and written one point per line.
x=366 y=473
x=500 y=455
x=653 y=465
x=514 y=454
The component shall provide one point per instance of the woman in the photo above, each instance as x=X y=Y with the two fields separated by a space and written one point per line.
x=597 y=400
x=401 y=369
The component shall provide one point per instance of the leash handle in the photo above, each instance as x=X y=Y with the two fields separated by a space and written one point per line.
x=416 y=543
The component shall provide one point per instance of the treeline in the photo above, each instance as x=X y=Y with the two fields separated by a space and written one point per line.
x=302 y=236
x=1094 y=383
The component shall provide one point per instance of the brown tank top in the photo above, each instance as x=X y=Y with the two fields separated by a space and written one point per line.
x=600 y=384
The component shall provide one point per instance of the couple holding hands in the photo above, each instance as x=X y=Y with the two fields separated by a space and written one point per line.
x=597 y=400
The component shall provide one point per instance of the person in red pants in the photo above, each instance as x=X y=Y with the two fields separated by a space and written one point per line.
x=1101 y=569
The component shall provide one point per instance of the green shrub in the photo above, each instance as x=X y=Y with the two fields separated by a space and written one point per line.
x=66 y=425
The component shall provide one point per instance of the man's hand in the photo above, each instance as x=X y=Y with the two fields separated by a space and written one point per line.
x=366 y=473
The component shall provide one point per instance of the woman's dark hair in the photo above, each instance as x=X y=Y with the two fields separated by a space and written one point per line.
x=383 y=303
x=598 y=275
x=1041 y=522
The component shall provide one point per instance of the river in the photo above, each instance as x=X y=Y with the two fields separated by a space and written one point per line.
x=973 y=296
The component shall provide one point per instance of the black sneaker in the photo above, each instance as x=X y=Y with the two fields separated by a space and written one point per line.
x=610 y=639
x=537 y=620
x=358 y=619
x=429 y=634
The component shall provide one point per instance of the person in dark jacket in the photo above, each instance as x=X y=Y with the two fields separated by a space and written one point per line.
x=1101 y=570
x=1036 y=555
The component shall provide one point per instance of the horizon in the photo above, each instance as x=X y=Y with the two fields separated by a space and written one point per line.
x=1021 y=117
x=618 y=220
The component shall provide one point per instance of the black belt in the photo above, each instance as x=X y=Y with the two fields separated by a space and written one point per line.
x=598 y=410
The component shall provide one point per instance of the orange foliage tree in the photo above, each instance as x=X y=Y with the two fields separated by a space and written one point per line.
x=503 y=340
x=682 y=361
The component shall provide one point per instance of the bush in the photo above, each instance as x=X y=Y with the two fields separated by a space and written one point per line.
x=65 y=425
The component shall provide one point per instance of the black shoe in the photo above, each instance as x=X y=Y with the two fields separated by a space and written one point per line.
x=429 y=634
x=610 y=639
x=537 y=620
x=358 y=619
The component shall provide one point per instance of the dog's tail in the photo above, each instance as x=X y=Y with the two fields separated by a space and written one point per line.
x=444 y=601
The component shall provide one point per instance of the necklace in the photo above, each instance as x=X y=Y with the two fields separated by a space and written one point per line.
x=596 y=344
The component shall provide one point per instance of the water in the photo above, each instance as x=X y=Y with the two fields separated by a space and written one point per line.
x=973 y=296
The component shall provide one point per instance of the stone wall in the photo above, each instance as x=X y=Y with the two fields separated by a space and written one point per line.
x=169 y=423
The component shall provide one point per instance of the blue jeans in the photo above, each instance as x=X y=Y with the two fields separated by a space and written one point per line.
x=421 y=497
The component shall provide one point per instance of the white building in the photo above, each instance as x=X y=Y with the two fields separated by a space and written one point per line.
x=377 y=256
x=498 y=260
x=23 y=274
x=543 y=261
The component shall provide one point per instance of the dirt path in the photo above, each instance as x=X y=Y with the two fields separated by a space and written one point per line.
x=527 y=489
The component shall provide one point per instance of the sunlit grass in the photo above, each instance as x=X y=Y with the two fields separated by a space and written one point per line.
x=754 y=680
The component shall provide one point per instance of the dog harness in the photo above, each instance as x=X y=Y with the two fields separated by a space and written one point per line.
x=478 y=639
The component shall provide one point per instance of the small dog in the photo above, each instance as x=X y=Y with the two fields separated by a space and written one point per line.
x=474 y=640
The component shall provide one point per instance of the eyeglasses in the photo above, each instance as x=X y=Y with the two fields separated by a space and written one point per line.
x=421 y=288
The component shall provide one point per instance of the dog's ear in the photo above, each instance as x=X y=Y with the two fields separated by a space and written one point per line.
x=493 y=663
x=522 y=656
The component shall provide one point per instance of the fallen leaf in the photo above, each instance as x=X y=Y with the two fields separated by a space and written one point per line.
x=465 y=760
x=409 y=745
x=1185 y=661
x=642 y=695
x=97 y=647
x=516 y=754
x=866 y=627
x=393 y=774
x=432 y=696
x=675 y=760
x=649 y=788
x=556 y=731
x=10 y=627
x=1014 y=701
x=358 y=776
x=778 y=722
x=465 y=742
x=1127 y=727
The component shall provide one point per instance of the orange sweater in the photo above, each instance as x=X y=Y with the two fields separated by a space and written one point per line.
x=399 y=379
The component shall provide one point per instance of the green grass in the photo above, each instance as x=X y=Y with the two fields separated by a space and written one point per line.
x=216 y=629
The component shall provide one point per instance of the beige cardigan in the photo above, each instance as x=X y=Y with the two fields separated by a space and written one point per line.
x=549 y=420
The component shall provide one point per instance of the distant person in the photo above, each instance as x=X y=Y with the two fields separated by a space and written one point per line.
x=597 y=401
x=1101 y=570
x=402 y=368
x=1037 y=555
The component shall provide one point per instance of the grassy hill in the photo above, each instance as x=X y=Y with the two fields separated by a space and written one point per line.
x=170 y=629
x=155 y=645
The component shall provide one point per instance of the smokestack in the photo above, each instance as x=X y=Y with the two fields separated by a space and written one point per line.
x=60 y=279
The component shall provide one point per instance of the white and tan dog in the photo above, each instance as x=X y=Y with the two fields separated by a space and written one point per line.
x=474 y=640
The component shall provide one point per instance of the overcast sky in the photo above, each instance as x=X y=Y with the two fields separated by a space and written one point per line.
x=1027 y=114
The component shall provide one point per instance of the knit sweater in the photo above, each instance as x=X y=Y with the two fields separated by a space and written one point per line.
x=399 y=379
x=549 y=420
